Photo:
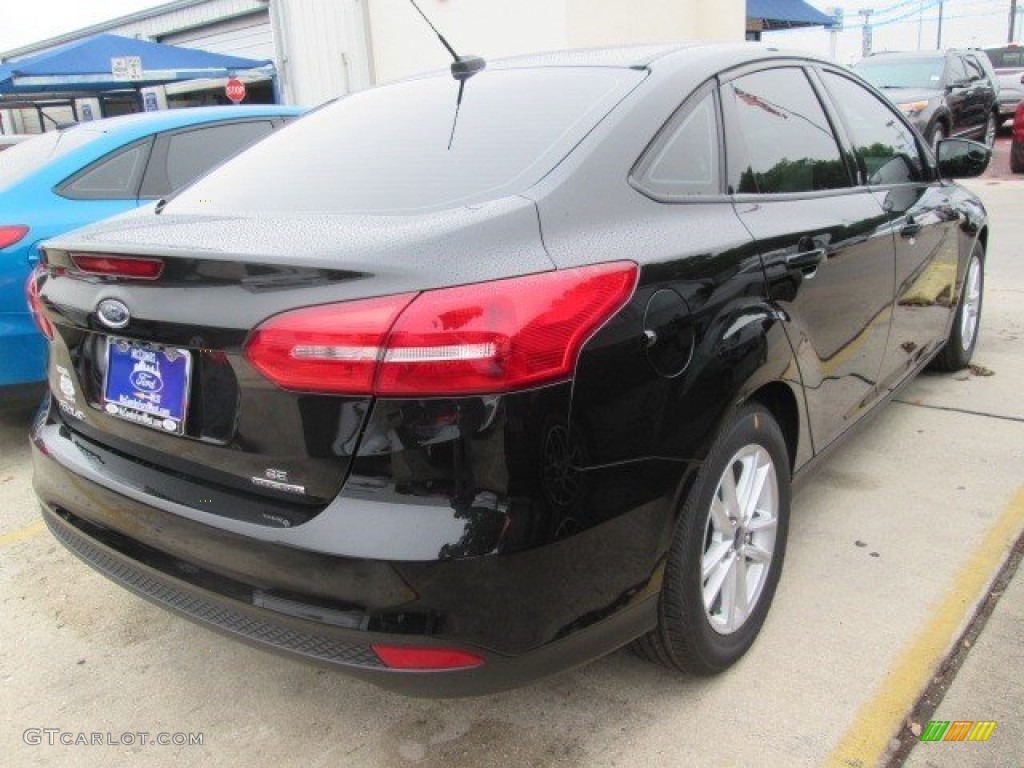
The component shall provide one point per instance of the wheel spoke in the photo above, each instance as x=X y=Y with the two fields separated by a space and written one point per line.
x=713 y=587
x=720 y=516
x=756 y=554
x=761 y=523
x=728 y=487
x=757 y=485
x=740 y=601
x=717 y=552
x=728 y=601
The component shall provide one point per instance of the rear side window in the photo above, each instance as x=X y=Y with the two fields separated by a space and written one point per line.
x=114 y=177
x=956 y=71
x=974 y=70
x=181 y=157
x=884 y=146
x=412 y=146
x=1006 y=58
x=685 y=160
x=787 y=144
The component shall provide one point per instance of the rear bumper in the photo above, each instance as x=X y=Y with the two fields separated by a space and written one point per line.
x=1008 y=102
x=340 y=647
x=528 y=614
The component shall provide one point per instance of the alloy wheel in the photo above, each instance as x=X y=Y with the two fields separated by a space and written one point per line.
x=739 y=538
x=972 y=304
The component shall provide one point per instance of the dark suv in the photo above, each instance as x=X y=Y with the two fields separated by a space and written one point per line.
x=943 y=94
x=1008 y=61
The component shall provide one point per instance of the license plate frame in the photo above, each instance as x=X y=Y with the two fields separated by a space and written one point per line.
x=147 y=384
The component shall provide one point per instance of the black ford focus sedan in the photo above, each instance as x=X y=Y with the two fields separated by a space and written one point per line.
x=456 y=390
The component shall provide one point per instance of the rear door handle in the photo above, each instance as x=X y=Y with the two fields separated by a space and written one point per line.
x=806 y=261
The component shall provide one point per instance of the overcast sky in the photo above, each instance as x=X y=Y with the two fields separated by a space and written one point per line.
x=899 y=24
x=28 y=21
x=896 y=22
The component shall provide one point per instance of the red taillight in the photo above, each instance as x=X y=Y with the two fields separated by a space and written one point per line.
x=1018 y=123
x=118 y=266
x=404 y=657
x=10 y=234
x=491 y=337
x=35 y=306
x=330 y=348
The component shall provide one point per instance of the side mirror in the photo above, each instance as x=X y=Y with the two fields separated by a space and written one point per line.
x=958 y=85
x=961 y=158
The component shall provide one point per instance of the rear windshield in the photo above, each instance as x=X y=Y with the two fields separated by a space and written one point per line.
x=902 y=73
x=398 y=148
x=22 y=159
x=1006 y=58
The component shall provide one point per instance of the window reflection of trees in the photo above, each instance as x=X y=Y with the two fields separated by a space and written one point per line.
x=786 y=174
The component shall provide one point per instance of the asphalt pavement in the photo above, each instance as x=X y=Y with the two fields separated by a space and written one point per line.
x=893 y=547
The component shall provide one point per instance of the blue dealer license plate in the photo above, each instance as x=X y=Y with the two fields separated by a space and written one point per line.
x=147 y=384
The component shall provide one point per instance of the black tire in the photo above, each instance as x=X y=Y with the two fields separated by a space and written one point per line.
x=1017 y=157
x=685 y=639
x=957 y=354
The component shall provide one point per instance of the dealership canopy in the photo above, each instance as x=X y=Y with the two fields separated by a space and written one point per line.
x=103 y=63
x=786 y=14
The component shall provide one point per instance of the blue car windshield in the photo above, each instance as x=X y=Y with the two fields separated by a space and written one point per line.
x=23 y=159
x=399 y=149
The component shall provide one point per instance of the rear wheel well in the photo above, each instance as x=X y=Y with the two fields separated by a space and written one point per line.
x=779 y=399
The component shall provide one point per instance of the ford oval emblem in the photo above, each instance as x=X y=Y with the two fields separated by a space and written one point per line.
x=113 y=313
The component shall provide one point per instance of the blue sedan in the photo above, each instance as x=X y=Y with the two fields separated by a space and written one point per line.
x=66 y=179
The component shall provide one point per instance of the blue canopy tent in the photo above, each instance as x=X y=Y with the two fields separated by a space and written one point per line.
x=768 y=15
x=106 y=63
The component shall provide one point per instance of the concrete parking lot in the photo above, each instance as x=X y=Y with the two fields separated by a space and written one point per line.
x=892 y=547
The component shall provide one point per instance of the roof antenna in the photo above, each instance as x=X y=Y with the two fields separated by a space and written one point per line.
x=463 y=67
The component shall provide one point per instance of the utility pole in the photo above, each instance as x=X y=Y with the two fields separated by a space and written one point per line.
x=1013 y=21
x=920 y=24
x=865 y=44
x=938 y=42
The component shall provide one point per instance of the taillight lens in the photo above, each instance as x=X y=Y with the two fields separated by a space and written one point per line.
x=35 y=306
x=404 y=657
x=10 y=234
x=118 y=266
x=330 y=348
x=491 y=337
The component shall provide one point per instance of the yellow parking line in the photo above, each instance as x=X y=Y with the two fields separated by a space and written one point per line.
x=867 y=739
x=6 y=539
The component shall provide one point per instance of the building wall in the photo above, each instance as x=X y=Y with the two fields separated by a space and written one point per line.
x=321 y=49
x=606 y=22
x=404 y=45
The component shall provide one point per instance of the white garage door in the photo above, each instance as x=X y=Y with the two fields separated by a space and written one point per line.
x=249 y=36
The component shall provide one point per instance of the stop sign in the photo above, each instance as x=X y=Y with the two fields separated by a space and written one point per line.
x=235 y=90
